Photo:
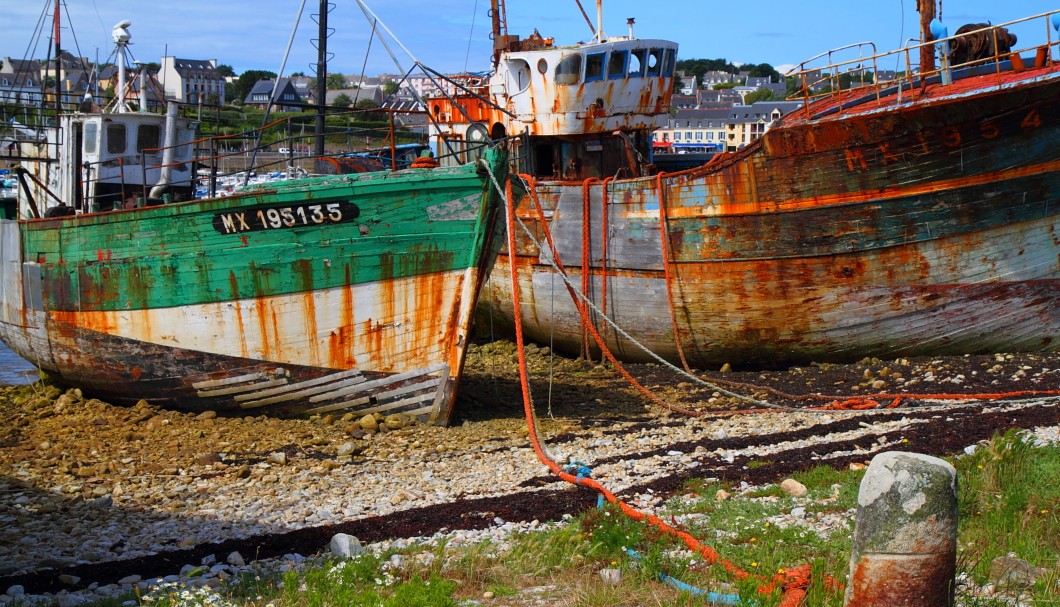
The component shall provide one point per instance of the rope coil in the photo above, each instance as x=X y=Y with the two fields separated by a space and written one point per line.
x=424 y=162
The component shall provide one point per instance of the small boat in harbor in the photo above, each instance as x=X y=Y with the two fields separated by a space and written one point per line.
x=334 y=293
x=915 y=214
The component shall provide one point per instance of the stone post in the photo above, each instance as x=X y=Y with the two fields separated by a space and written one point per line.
x=905 y=536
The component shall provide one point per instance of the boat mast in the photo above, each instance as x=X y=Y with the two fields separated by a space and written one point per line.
x=58 y=62
x=500 y=29
x=322 y=77
x=926 y=8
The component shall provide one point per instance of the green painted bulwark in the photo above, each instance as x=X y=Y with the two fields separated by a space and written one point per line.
x=316 y=233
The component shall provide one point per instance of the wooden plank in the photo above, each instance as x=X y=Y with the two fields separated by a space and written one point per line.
x=409 y=389
x=302 y=384
x=382 y=382
x=379 y=409
x=227 y=381
x=301 y=393
x=241 y=389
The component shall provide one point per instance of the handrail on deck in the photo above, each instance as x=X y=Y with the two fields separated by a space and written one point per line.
x=827 y=80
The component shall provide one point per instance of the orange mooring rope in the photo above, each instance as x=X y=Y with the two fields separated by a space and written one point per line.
x=584 y=312
x=794 y=581
x=603 y=244
x=664 y=235
x=872 y=401
x=586 y=257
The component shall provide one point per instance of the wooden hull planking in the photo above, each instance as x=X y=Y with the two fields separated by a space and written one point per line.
x=927 y=228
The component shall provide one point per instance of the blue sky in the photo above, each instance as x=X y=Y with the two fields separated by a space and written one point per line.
x=452 y=35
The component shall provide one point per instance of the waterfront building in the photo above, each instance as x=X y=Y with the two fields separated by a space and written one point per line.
x=192 y=80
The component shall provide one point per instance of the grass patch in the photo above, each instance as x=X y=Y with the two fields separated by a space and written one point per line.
x=1008 y=504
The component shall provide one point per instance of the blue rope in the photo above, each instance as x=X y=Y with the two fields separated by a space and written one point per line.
x=579 y=470
x=712 y=597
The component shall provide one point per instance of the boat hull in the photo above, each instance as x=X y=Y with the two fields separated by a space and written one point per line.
x=922 y=228
x=345 y=293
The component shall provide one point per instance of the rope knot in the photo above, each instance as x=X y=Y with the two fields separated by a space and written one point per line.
x=579 y=470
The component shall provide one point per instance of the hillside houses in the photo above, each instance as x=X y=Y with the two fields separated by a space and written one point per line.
x=20 y=81
x=719 y=129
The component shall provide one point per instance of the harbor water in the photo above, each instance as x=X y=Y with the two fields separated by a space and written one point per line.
x=14 y=369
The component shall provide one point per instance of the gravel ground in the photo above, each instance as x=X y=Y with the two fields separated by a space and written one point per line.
x=91 y=493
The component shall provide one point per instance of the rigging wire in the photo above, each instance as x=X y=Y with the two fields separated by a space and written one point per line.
x=73 y=32
x=470 y=36
x=31 y=47
x=275 y=89
x=364 y=66
x=99 y=18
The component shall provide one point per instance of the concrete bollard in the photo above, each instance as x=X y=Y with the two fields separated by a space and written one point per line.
x=905 y=535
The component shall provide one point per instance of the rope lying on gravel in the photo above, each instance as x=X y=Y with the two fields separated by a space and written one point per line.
x=793 y=581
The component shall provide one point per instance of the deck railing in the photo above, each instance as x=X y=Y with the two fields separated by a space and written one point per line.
x=854 y=69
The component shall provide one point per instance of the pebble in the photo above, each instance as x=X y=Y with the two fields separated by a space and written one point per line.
x=793 y=487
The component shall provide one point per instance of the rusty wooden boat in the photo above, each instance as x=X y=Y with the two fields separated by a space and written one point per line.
x=915 y=215
x=335 y=293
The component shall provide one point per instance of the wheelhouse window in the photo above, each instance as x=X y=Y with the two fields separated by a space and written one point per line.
x=637 y=59
x=518 y=75
x=91 y=135
x=594 y=66
x=148 y=137
x=569 y=70
x=669 y=61
x=115 y=138
x=655 y=59
x=616 y=67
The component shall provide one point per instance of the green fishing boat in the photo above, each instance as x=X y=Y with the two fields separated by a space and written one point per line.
x=335 y=293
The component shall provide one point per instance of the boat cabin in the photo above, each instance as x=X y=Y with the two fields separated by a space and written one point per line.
x=114 y=160
x=585 y=110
